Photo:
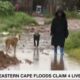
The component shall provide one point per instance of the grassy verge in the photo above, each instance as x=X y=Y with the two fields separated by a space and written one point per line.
x=75 y=53
x=72 y=46
x=16 y=21
x=69 y=15
x=73 y=14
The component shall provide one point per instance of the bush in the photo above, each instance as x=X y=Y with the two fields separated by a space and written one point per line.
x=73 y=14
x=6 y=8
x=72 y=45
x=16 y=21
x=75 y=53
x=24 y=18
x=73 y=41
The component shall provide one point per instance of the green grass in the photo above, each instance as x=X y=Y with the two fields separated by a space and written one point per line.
x=72 y=45
x=75 y=53
x=16 y=21
x=72 y=14
x=73 y=40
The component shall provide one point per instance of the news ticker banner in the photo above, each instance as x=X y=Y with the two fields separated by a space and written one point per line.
x=40 y=75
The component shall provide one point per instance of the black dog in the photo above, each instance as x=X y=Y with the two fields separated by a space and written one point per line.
x=36 y=39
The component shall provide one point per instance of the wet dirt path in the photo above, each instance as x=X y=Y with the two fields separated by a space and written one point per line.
x=41 y=58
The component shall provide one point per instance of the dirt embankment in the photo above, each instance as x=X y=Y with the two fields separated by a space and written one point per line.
x=6 y=60
x=74 y=24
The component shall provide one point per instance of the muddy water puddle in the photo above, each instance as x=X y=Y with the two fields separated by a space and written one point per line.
x=41 y=58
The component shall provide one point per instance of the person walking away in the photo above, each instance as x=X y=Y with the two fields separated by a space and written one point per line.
x=59 y=31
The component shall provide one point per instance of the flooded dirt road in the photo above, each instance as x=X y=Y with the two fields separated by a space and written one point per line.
x=41 y=58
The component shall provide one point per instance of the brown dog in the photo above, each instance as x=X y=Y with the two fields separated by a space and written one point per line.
x=12 y=42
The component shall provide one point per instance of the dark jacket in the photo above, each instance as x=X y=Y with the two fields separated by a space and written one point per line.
x=36 y=36
x=59 y=30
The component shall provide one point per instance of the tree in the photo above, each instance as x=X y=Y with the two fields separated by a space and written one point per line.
x=71 y=4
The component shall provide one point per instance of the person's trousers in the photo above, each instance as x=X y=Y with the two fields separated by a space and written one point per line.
x=61 y=50
x=36 y=42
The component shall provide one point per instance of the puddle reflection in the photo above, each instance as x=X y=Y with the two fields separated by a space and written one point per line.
x=36 y=55
x=57 y=65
